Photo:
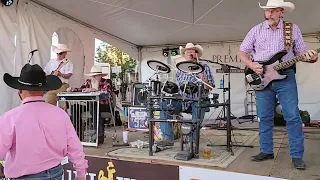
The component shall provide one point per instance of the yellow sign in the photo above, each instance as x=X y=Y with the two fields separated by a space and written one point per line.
x=111 y=171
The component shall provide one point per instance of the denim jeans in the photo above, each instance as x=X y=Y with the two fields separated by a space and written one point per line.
x=166 y=128
x=287 y=93
x=55 y=173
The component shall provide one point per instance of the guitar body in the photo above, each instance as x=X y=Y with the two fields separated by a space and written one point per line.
x=59 y=67
x=259 y=81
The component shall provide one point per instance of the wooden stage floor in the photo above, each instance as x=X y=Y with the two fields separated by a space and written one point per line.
x=280 y=167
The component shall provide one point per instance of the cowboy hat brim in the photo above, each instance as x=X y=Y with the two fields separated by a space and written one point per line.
x=197 y=48
x=287 y=6
x=56 y=50
x=53 y=83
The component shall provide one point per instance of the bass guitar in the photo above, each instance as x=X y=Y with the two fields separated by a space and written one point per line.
x=271 y=70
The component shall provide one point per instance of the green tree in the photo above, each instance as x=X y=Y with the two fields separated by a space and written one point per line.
x=107 y=53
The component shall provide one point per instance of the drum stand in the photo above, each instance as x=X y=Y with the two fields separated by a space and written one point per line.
x=188 y=131
x=227 y=68
x=189 y=128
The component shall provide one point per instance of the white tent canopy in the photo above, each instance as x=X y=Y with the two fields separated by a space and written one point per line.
x=140 y=28
x=155 y=22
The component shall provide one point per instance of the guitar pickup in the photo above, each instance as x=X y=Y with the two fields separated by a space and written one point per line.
x=249 y=78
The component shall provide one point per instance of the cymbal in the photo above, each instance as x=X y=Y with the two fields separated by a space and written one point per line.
x=190 y=67
x=158 y=66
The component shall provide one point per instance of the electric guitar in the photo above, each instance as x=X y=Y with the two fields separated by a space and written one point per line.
x=270 y=70
x=60 y=66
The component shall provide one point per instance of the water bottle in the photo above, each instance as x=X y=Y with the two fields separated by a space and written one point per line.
x=221 y=83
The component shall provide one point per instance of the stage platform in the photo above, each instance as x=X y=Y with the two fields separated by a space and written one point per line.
x=280 y=167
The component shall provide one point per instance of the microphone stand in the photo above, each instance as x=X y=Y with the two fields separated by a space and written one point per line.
x=227 y=69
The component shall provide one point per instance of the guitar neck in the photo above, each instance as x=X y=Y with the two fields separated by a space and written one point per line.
x=289 y=63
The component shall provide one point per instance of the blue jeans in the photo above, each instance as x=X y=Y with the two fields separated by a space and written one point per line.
x=287 y=93
x=166 y=128
x=55 y=173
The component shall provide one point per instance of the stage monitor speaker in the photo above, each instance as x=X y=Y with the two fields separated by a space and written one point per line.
x=139 y=97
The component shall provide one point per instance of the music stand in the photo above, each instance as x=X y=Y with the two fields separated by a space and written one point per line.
x=227 y=69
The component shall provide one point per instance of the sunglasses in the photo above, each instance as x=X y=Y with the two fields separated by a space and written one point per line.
x=60 y=53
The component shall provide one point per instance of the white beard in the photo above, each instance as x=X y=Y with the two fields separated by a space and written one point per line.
x=94 y=84
x=272 y=22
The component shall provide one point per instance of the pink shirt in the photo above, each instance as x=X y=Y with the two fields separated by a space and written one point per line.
x=36 y=136
x=265 y=42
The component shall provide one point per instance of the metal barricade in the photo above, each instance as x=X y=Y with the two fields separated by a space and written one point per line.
x=83 y=109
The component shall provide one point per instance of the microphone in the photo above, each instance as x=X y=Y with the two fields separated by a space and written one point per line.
x=32 y=52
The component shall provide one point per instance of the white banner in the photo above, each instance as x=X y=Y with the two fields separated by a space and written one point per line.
x=189 y=173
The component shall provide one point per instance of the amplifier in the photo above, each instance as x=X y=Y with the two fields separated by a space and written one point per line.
x=139 y=96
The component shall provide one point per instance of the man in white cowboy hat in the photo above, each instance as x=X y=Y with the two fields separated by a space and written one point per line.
x=190 y=53
x=265 y=40
x=36 y=136
x=96 y=82
x=61 y=67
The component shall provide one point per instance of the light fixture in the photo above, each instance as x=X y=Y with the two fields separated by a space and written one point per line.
x=165 y=52
x=174 y=52
x=7 y=2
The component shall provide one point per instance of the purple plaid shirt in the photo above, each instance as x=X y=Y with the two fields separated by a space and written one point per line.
x=265 y=42
x=183 y=77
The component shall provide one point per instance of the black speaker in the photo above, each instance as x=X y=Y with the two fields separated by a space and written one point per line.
x=139 y=94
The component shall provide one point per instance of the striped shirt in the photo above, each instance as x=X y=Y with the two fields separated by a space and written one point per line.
x=265 y=42
x=183 y=77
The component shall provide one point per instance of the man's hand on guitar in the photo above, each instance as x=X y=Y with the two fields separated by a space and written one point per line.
x=312 y=56
x=256 y=67
x=58 y=73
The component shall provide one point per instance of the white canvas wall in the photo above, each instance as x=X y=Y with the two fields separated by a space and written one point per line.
x=33 y=26
x=308 y=85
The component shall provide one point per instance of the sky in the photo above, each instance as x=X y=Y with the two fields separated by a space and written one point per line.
x=55 y=42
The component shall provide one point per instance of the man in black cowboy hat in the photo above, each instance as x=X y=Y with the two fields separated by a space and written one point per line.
x=36 y=136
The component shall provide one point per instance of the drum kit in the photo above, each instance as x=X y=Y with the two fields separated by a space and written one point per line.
x=156 y=91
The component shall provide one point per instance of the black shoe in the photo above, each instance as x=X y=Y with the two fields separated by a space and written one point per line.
x=298 y=163
x=262 y=157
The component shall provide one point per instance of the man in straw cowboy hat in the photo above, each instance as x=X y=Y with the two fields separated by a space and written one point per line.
x=96 y=82
x=61 y=67
x=190 y=53
x=36 y=136
x=265 y=40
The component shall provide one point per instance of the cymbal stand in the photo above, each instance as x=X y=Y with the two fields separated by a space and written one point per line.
x=222 y=114
x=228 y=110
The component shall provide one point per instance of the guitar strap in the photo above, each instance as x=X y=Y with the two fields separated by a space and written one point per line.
x=287 y=38
x=287 y=35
